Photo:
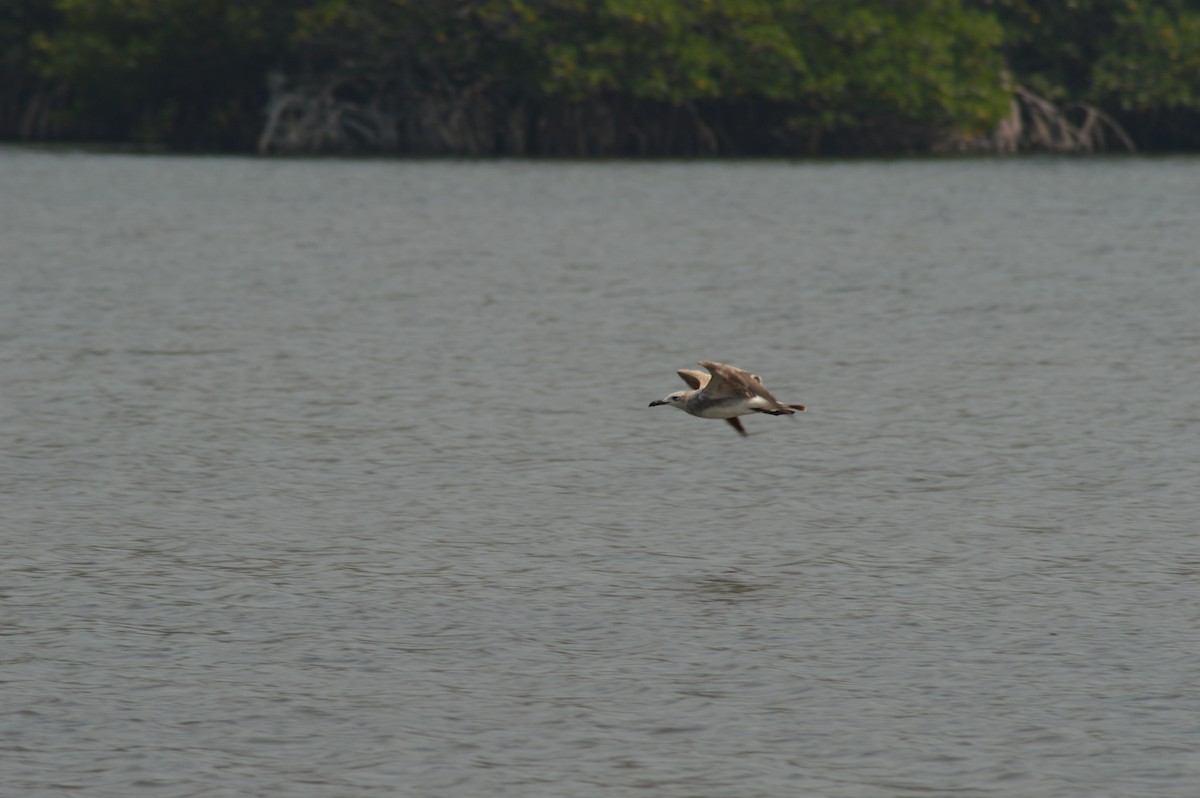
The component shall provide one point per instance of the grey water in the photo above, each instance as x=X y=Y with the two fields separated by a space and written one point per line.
x=337 y=478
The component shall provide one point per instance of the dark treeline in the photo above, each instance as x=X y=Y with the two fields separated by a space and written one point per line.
x=604 y=77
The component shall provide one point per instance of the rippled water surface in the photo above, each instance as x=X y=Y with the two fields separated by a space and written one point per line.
x=338 y=479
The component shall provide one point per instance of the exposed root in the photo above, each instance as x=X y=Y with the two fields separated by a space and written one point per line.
x=1034 y=124
x=314 y=119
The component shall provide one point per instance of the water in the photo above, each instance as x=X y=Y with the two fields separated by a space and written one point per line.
x=337 y=478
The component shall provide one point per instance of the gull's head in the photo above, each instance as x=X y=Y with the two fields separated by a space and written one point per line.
x=675 y=399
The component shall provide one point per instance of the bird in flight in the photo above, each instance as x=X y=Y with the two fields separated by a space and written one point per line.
x=725 y=392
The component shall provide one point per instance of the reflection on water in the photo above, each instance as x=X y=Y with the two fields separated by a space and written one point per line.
x=337 y=478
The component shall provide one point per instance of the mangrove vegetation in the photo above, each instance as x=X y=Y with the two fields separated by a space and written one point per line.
x=604 y=77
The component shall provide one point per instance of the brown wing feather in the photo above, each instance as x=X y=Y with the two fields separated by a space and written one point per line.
x=737 y=425
x=738 y=382
x=725 y=380
x=695 y=379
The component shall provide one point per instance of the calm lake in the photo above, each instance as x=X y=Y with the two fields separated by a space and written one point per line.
x=337 y=478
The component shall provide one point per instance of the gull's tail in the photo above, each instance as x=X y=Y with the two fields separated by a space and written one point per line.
x=783 y=410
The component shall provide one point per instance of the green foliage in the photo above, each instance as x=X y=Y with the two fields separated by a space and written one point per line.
x=664 y=51
x=1132 y=55
x=193 y=72
x=928 y=63
x=179 y=71
x=1152 y=62
x=1050 y=46
x=20 y=21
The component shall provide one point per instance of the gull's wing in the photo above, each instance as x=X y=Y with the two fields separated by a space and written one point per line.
x=731 y=381
x=695 y=379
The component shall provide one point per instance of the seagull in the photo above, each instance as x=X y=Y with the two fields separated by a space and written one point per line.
x=725 y=392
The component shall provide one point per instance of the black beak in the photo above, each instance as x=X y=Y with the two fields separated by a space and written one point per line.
x=656 y=404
